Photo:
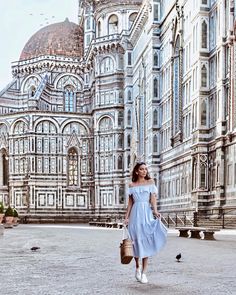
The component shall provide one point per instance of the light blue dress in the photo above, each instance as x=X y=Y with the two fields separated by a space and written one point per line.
x=148 y=234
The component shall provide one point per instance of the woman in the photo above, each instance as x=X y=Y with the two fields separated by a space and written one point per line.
x=148 y=234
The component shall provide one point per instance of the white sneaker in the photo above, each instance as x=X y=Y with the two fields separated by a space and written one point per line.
x=144 y=279
x=138 y=274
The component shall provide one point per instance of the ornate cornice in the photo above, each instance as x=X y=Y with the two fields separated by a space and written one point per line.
x=47 y=63
x=139 y=23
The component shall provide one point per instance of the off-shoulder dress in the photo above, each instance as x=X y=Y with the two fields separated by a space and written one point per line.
x=148 y=234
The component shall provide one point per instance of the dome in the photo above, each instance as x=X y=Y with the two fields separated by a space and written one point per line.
x=64 y=38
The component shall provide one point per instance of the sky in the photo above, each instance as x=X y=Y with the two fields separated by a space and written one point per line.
x=20 y=19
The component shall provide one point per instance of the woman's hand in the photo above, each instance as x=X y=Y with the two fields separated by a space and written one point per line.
x=157 y=214
x=126 y=221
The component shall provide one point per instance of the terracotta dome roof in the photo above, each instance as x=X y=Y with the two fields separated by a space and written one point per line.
x=64 y=38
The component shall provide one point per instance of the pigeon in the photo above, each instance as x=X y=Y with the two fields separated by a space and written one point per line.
x=34 y=248
x=178 y=257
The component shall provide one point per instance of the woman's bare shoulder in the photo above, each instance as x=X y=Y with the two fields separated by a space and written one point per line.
x=151 y=181
x=131 y=184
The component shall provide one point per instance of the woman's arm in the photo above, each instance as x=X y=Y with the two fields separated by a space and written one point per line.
x=153 y=202
x=129 y=207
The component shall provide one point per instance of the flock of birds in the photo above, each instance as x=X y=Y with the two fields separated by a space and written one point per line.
x=46 y=19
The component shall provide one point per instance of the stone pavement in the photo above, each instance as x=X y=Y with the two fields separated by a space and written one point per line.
x=79 y=260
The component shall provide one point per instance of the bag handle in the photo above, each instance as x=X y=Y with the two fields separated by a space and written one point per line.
x=125 y=232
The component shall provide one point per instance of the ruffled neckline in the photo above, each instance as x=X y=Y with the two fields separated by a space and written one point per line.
x=142 y=185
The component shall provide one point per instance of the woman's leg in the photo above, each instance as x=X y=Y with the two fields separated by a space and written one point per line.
x=144 y=279
x=136 y=262
x=138 y=274
x=145 y=264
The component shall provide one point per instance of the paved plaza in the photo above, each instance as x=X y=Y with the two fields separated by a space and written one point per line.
x=78 y=259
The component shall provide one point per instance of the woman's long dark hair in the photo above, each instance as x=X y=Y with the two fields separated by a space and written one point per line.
x=135 y=170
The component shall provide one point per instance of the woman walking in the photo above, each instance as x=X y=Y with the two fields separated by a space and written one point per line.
x=147 y=233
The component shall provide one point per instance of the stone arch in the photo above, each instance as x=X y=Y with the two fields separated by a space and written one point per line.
x=52 y=128
x=105 y=123
x=42 y=119
x=132 y=18
x=32 y=80
x=6 y=125
x=105 y=116
x=112 y=24
x=69 y=121
x=19 y=120
x=107 y=65
x=69 y=79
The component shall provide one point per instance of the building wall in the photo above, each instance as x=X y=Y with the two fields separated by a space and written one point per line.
x=156 y=83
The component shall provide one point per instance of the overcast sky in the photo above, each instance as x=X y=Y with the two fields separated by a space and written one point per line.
x=20 y=19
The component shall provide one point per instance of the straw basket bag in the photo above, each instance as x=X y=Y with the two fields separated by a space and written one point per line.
x=126 y=247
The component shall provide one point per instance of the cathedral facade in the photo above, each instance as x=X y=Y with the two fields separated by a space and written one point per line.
x=134 y=80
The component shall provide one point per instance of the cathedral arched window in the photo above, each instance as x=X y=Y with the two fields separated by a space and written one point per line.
x=72 y=167
x=204 y=76
x=128 y=160
x=120 y=141
x=132 y=18
x=121 y=97
x=113 y=24
x=121 y=194
x=105 y=124
x=99 y=29
x=204 y=34
x=20 y=127
x=129 y=95
x=4 y=168
x=46 y=127
x=88 y=23
x=3 y=130
x=30 y=84
x=155 y=117
x=203 y=113
x=120 y=119
x=107 y=65
x=128 y=140
x=155 y=143
x=195 y=172
x=129 y=117
x=155 y=59
x=69 y=100
x=74 y=127
x=120 y=162
x=203 y=175
x=155 y=88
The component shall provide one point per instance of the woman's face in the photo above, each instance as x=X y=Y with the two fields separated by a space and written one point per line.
x=142 y=171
